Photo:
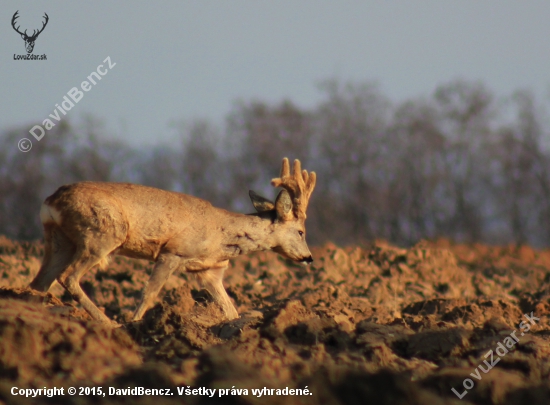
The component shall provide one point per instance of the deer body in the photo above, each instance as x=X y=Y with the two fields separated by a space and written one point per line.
x=86 y=222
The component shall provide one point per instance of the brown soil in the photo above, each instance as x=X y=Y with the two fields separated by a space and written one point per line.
x=373 y=324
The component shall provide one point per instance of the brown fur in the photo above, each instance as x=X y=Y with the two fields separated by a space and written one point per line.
x=86 y=222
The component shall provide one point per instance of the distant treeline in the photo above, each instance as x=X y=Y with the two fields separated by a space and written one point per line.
x=460 y=163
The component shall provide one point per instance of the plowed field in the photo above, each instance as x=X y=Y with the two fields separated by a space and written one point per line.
x=375 y=324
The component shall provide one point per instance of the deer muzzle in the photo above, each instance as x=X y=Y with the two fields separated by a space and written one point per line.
x=307 y=260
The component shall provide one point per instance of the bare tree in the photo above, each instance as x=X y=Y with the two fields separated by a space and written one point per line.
x=160 y=168
x=350 y=132
x=525 y=172
x=201 y=167
x=418 y=173
x=466 y=112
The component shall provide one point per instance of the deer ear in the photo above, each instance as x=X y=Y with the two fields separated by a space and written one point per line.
x=283 y=206
x=260 y=203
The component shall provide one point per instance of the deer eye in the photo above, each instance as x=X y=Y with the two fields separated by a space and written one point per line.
x=300 y=233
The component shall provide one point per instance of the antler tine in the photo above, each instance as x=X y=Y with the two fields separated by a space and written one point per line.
x=297 y=169
x=13 y=21
x=46 y=18
x=285 y=174
x=285 y=168
x=299 y=184
x=309 y=181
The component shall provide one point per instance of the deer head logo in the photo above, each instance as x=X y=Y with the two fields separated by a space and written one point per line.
x=29 y=39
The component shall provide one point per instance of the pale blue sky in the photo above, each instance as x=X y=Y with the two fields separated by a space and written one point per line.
x=179 y=60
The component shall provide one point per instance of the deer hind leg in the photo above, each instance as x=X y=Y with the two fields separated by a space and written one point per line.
x=88 y=254
x=58 y=253
x=164 y=267
x=211 y=279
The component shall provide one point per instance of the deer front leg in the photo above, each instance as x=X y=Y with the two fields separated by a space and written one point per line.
x=70 y=279
x=165 y=266
x=211 y=279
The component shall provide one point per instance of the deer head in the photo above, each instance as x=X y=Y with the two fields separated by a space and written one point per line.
x=289 y=211
x=29 y=40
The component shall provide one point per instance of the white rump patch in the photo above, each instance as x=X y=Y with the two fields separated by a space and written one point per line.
x=49 y=214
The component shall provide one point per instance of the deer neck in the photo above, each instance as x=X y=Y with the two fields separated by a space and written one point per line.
x=243 y=234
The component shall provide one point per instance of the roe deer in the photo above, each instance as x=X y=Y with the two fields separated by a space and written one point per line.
x=86 y=222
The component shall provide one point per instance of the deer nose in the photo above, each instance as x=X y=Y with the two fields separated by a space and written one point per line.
x=307 y=260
